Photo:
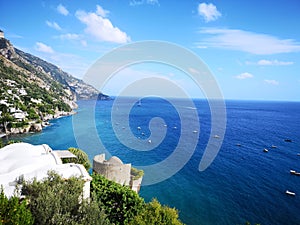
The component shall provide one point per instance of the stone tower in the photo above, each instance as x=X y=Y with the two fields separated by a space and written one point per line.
x=114 y=169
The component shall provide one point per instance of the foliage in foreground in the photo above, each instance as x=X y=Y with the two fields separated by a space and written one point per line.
x=58 y=201
x=124 y=206
x=120 y=203
x=82 y=158
x=14 y=211
x=154 y=213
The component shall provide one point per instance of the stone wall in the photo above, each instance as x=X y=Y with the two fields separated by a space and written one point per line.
x=112 y=169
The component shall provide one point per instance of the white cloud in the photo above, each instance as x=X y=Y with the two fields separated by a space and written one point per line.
x=265 y=62
x=102 y=12
x=255 y=43
x=275 y=62
x=72 y=37
x=272 y=82
x=101 y=28
x=41 y=47
x=69 y=36
x=142 y=2
x=243 y=76
x=62 y=10
x=208 y=11
x=53 y=25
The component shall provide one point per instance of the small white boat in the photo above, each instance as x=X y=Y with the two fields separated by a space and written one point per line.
x=238 y=144
x=139 y=128
x=266 y=150
x=273 y=146
x=195 y=131
x=149 y=141
x=216 y=136
x=165 y=125
x=293 y=172
x=290 y=193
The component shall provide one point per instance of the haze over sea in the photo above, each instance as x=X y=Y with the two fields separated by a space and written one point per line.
x=242 y=184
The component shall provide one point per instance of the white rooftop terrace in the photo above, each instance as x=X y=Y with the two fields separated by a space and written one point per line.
x=26 y=161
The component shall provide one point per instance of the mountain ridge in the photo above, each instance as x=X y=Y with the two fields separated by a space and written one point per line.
x=79 y=87
x=34 y=91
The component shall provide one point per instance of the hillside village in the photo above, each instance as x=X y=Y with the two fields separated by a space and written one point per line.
x=34 y=91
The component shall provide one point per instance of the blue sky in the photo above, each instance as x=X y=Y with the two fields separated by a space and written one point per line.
x=251 y=47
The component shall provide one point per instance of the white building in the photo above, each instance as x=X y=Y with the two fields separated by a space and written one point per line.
x=1 y=34
x=4 y=102
x=37 y=101
x=25 y=161
x=22 y=92
x=20 y=115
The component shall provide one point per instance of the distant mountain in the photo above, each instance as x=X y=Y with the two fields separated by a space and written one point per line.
x=32 y=63
x=33 y=90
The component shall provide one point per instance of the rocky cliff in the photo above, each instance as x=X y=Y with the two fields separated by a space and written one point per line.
x=34 y=91
x=34 y=64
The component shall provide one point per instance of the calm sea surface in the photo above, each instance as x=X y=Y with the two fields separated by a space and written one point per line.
x=242 y=184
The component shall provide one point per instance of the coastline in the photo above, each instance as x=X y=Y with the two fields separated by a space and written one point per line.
x=37 y=127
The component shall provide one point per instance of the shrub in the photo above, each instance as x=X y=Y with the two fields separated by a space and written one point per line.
x=120 y=203
x=58 y=201
x=136 y=173
x=82 y=158
x=14 y=211
x=154 y=213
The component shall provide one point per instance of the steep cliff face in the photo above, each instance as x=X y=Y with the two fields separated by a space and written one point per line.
x=32 y=63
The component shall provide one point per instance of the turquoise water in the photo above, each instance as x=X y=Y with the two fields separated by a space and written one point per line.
x=242 y=184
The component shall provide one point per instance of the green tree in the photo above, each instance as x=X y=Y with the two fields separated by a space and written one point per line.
x=120 y=203
x=154 y=213
x=81 y=158
x=32 y=115
x=14 y=211
x=5 y=119
x=58 y=201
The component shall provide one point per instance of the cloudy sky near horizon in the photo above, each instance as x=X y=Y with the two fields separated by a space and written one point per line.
x=251 y=47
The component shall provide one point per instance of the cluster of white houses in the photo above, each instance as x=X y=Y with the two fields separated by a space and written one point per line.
x=14 y=93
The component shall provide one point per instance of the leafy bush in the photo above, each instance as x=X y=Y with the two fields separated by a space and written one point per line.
x=82 y=158
x=136 y=173
x=14 y=211
x=58 y=201
x=32 y=115
x=19 y=124
x=154 y=213
x=120 y=203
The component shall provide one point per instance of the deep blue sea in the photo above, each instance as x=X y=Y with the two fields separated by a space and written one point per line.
x=242 y=184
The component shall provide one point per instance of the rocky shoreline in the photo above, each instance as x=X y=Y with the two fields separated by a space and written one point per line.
x=36 y=127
